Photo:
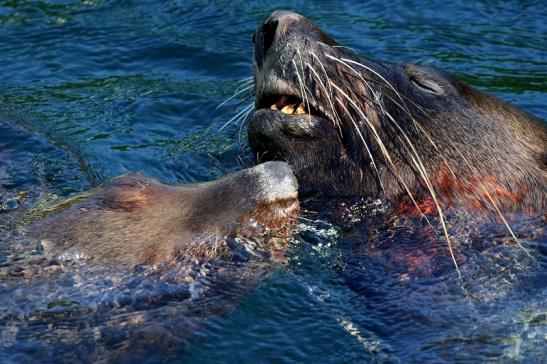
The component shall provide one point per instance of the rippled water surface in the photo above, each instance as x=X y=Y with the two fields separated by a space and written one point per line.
x=93 y=89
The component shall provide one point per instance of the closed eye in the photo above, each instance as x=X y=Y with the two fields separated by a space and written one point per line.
x=425 y=84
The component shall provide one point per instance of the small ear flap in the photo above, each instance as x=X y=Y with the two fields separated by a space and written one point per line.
x=428 y=79
x=127 y=193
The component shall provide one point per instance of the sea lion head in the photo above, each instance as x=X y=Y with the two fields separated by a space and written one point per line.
x=352 y=126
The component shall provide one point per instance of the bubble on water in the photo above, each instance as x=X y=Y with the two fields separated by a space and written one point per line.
x=45 y=245
x=10 y=204
x=73 y=254
x=372 y=345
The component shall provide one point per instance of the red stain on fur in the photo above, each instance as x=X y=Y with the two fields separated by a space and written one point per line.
x=476 y=193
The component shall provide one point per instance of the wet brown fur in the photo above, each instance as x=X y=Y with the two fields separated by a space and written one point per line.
x=135 y=219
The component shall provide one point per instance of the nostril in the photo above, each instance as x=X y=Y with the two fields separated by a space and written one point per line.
x=274 y=31
x=264 y=38
x=268 y=31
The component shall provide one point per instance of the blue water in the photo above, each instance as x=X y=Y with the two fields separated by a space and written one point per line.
x=93 y=89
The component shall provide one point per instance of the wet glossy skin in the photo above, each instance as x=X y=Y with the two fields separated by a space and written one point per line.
x=376 y=129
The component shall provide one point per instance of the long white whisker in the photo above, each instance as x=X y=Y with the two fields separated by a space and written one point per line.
x=374 y=72
x=245 y=110
x=303 y=75
x=300 y=83
x=417 y=161
x=364 y=143
x=236 y=93
x=337 y=121
x=382 y=148
x=241 y=124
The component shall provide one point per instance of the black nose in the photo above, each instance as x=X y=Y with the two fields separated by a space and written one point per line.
x=273 y=26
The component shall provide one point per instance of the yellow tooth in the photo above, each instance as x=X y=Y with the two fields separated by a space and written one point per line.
x=289 y=109
x=300 y=109
x=273 y=107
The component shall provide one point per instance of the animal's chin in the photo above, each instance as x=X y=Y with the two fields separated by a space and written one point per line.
x=310 y=143
x=286 y=131
x=301 y=131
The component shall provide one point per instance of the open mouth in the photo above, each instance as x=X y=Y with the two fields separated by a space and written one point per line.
x=288 y=104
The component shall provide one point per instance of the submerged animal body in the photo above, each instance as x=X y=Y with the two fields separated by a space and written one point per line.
x=136 y=265
x=135 y=220
x=416 y=136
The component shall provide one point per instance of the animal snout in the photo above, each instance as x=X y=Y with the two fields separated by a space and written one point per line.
x=271 y=31
x=276 y=181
